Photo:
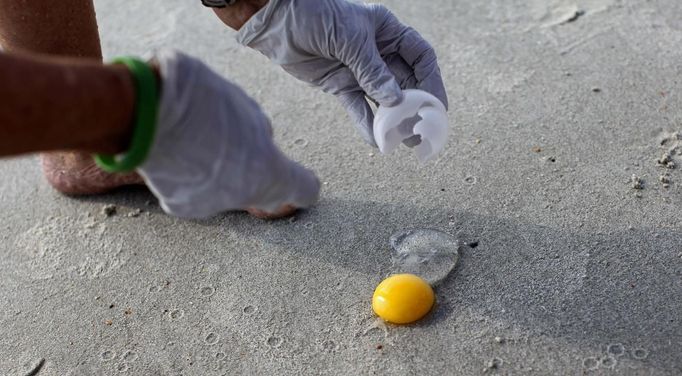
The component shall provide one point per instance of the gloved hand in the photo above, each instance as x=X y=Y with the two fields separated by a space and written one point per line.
x=349 y=49
x=213 y=149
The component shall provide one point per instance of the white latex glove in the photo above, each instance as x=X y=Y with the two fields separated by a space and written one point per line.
x=213 y=149
x=349 y=49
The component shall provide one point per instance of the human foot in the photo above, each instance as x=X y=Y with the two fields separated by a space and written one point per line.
x=75 y=173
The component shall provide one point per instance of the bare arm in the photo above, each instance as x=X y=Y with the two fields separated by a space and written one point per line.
x=235 y=16
x=60 y=104
x=64 y=28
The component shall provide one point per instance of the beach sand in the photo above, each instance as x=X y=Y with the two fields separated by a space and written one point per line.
x=554 y=106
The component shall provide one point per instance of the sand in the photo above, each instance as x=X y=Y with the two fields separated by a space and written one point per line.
x=573 y=271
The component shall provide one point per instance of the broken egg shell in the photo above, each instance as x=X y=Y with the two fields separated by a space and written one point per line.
x=433 y=135
x=419 y=116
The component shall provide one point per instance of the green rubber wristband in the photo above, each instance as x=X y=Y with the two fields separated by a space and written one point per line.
x=146 y=112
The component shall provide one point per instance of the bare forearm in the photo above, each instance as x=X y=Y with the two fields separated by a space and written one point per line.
x=56 y=104
x=235 y=16
x=65 y=27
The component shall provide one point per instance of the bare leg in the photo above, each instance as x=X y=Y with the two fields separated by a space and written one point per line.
x=66 y=28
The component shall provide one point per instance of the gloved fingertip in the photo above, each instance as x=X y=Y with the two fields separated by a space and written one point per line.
x=436 y=87
x=307 y=187
x=444 y=99
x=367 y=134
x=442 y=94
x=392 y=95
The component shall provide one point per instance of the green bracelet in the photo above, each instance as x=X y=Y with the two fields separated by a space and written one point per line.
x=146 y=112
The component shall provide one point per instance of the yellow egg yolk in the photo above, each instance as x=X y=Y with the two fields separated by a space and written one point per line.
x=403 y=299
